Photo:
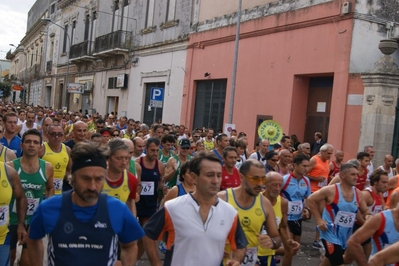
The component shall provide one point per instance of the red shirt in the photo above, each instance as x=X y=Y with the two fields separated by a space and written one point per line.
x=361 y=180
x=230 y=180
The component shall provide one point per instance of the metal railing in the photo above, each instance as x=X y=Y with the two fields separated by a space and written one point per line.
x=117 y=39
x=81 y=49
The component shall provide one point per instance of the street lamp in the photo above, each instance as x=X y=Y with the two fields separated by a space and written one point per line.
x=48 y=20
x=234 y=75
x=25 y=72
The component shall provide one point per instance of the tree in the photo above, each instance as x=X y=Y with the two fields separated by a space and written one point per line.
x=5 y=87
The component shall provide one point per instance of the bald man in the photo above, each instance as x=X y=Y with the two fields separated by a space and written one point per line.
x=336 y=164
x=263 y=149
x=285 y=162
x=79 y=133
x=387 y=167
x=138 y=148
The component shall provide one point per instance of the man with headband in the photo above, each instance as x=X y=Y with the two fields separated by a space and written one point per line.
x=85 y=232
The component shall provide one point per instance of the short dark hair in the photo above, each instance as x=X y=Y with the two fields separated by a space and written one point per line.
x=220 y=136
x=183 y=170
x=155 y=127
x=361 y=155
x=152 y=140
x=240 y=144
x=168 y=138
x=376 y=176
x=195 y=163
x=319 y=135
x=100 y=121
x=284 y=138
x=95 y=135
x=347 y=166
x=34 y=132
x=244 y=169
x=229 y=149
x=298 y=159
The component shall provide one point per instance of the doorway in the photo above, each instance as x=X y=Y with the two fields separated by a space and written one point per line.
x=112 y=103
x=152 y=114
x=318 y=109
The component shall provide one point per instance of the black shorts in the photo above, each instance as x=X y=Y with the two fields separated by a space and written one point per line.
x=146 y=213
x=295 y=227
x=357 y=226
x=334 y=253
x=14 y=237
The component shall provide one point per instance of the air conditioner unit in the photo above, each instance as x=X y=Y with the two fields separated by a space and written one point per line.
x=346 y=6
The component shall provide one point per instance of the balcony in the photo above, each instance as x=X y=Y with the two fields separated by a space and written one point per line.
x=49 y=66
x=82 y=51
x=118 y=42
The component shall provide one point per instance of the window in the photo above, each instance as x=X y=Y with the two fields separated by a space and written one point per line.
x=93 y=25
x=149 y=15
x=87 y=27
x=125 y=3
x=64 y=46
x=52 y=8
x=209 y=103
x=73 y=31
x=112 y=83
x=170 y=10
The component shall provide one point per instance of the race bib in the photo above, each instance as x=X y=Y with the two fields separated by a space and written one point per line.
x=295 y=207
x=4 y=214
x=323 y=184
x=31 y=203
x=148 y=188
x=32 y=206
x=345 y=219
x=57 y=184
x=377 y=209
x=251 y=257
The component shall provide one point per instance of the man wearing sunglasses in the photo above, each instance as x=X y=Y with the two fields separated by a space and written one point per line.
x=58 y=154
x=254 y=210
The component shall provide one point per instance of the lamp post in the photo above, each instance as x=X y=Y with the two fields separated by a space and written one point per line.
x=26 y=69
x=48 y=20
x=233 y=78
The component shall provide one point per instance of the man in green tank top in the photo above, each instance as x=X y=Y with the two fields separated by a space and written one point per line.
x=165 y=152
x=172 y=170
x=36 y=177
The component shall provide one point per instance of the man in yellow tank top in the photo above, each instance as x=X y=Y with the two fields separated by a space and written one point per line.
x=319 y=169
x=254 y=211
x=57 y=153
x=10 y=185
x=274 y=182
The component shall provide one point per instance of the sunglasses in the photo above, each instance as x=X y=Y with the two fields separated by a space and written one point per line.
x=116 y=135
x=185 y=148
x=196 y=136
x=274 y=160
x=256 y=179
x=53 y=134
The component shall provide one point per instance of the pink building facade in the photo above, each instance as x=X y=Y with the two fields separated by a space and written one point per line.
x=293 y=67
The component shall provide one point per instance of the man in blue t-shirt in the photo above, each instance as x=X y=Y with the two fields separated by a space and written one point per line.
x=85 y=232
x=10 y=138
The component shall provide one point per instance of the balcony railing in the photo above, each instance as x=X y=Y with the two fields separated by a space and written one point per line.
x=81 y=49
x=49 y=66
x=118 y=39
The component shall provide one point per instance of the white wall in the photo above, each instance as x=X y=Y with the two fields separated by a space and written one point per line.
x=172 y=61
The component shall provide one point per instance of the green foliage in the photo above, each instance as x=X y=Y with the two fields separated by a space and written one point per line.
x=5 y=87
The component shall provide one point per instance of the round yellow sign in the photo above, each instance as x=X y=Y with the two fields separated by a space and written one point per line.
x=270 y=130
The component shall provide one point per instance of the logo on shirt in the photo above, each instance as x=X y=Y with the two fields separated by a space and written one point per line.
x=258 y=211
x=100 y=225
x=246 y=221
x=68 y=227
x=4 y=183
x=303 y=185
x=155 y=173
x=83 y=238
x=125 y=188
x=88 y=160
x=222 y=222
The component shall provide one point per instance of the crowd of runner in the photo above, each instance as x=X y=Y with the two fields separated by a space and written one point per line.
x=102 y=190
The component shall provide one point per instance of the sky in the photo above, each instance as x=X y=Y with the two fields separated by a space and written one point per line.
x=13 y=17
